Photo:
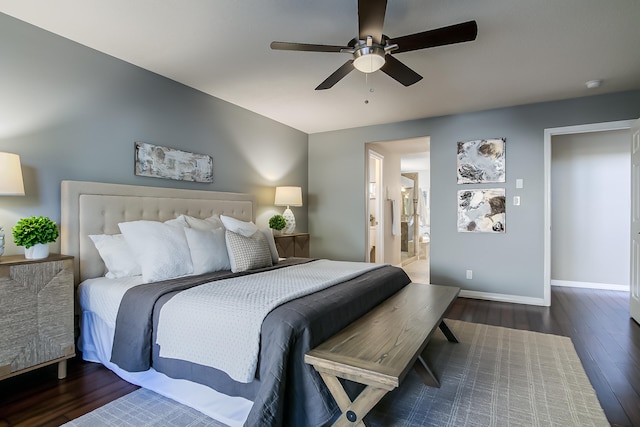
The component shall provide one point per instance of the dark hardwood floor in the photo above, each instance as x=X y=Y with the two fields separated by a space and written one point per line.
x=38 y=398
x=605 y=338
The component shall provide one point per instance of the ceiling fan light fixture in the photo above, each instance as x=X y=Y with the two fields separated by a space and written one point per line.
x=371 y=46
x=368 y=59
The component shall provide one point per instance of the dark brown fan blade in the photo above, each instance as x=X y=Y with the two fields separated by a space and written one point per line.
x=397 y=70
x=371 y=18
x=337 y=75
x=306 y=47
x=458 y=33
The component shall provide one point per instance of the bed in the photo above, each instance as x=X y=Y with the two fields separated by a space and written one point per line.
x=282 y=390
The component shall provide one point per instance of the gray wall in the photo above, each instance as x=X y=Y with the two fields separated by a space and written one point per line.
x=74 y=113
x=510 y=263
x=591 y=205
x=71 y=112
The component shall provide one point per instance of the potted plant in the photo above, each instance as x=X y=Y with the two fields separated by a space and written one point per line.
x=35 y=233
x=277 y=223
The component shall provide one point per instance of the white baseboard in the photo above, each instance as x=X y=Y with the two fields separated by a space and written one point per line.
x=516 y=299
x=590 y=285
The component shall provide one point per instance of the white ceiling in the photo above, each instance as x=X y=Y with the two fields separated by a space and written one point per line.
x=526 y=51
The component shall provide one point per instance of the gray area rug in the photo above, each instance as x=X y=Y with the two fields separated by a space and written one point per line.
x=494 y=377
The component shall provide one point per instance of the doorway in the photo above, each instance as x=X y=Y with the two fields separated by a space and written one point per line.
x=375 y=207
x=548 y=137
x=409 y=156
x=590 y=199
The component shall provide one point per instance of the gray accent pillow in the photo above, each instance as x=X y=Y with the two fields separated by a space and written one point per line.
x=248 y=253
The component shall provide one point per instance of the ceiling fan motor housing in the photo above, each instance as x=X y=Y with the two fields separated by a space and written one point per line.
x=368 y=58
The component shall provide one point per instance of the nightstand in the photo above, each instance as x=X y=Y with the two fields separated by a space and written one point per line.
x=36 y=314
x=293 y=245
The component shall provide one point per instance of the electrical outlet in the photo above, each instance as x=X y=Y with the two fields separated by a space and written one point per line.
x=469 y=274
x=516 y=200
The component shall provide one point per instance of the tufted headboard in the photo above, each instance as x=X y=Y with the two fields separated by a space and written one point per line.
x=97 y=208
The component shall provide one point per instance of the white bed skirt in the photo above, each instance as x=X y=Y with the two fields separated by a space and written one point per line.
x=96 y=341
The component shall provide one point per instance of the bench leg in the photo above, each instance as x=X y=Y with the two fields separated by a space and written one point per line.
x=352 y=412
x=421 y=366
x=451 y=337
x=425 y=372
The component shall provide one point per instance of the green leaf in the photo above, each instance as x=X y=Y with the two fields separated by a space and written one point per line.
x=33 y=230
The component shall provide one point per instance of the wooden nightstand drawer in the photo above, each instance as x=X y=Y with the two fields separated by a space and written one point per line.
x=36 y=314
x=293 y=245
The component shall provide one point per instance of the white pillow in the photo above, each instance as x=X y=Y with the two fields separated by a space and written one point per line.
x=247 y=253
x=245 y=228
x=208 y=250
x=117 y=255
x=210 y=223
x=180 y=221
x=268 y=233
x=160 y=249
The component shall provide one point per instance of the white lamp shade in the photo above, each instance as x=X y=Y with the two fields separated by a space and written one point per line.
x=369 y=63
x=288 y=196
x=11 y=183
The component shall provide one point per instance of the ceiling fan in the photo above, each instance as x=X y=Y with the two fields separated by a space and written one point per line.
x=372 y=50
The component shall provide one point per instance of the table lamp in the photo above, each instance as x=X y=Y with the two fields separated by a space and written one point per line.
x=288 y=196
x=10 y=182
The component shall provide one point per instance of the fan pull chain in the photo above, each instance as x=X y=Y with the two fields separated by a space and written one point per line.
x=366 y=87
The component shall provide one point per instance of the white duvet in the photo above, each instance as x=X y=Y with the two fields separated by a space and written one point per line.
x=102 y=296
x=218 y=324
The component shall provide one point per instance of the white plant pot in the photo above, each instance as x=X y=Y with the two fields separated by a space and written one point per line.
x=37 y=251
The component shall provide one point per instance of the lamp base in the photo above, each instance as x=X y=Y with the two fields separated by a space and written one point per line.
x=291 y=221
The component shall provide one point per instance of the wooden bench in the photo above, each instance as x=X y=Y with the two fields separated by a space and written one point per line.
x=380 y=348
